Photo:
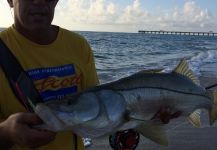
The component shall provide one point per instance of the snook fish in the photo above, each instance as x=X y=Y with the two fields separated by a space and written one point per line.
x=130 y=102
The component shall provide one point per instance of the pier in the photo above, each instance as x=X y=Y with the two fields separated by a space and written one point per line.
x=179 y=33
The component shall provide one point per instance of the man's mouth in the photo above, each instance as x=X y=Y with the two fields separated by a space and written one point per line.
x=38 y=14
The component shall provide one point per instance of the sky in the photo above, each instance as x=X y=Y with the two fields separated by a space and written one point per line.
x=129 y=15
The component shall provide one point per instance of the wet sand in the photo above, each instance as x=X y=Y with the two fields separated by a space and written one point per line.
x=181 y=134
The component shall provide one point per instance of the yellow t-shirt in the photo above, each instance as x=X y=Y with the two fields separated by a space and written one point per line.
x=63 y=67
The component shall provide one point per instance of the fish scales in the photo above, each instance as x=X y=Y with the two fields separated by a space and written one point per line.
x=131 y=102
x=171 y=81
x=148 y=100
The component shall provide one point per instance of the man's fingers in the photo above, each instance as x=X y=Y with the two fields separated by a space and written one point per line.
x=42 y=134
x=17 y=129
x=35 y=138
x=29 y=118
x=165 y=115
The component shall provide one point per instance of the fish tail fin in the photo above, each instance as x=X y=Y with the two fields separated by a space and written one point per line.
x=213 y=112
x=194 y=118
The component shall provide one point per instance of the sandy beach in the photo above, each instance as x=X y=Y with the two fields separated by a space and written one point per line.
x=181 y=134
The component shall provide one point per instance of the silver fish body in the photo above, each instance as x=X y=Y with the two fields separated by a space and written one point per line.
x=110 y=107
x=130 y=102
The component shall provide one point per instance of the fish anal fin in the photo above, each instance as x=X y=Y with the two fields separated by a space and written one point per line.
x=194 y=118
x=213 y=115
x=154 y=132
x=183 y=69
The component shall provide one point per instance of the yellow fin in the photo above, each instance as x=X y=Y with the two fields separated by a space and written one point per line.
x=154 y=132
x=184 y=69
x=194 y=118
x=213 y=112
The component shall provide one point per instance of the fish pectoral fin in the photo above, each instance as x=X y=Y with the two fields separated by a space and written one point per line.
x=154 y=132
x=194 y=118
x=49 y=117
x=183 y=69
x=213 y=112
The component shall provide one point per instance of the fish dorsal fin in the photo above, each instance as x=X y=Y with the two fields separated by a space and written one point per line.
x=194 y=118
x=150 y=71
x=184 y=69
x=154 y=132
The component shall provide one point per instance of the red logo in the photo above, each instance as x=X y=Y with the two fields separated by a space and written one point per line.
x=55 y=83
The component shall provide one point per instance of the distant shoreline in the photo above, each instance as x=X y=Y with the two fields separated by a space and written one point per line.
x=1 y=29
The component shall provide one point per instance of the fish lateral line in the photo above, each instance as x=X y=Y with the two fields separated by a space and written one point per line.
x=160 y=88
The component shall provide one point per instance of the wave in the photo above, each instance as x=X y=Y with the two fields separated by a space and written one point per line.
x=201 y=59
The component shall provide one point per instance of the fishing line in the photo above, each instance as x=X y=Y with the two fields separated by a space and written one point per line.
x=211 y=86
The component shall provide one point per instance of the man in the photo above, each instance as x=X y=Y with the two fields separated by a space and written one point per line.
x=59 y=62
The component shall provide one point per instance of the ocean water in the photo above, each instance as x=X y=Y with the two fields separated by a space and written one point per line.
x=120 y=54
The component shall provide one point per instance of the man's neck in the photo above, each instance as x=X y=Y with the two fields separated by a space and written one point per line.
x=40 y=36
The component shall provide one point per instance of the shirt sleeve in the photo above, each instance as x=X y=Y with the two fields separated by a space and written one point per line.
x=91 y=78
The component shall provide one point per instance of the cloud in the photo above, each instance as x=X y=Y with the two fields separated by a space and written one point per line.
x=79 y=12
x=108 y=16
x=103 y=13
x=6 y=17
x=133 y=14
x=190 y=17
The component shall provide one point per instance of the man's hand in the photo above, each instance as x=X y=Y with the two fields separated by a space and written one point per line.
x=165 y=115
x=16 y=129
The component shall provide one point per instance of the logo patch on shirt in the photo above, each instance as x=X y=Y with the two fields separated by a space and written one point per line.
x=55 y=82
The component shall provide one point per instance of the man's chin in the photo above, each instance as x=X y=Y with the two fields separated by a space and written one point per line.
x=39 y=27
